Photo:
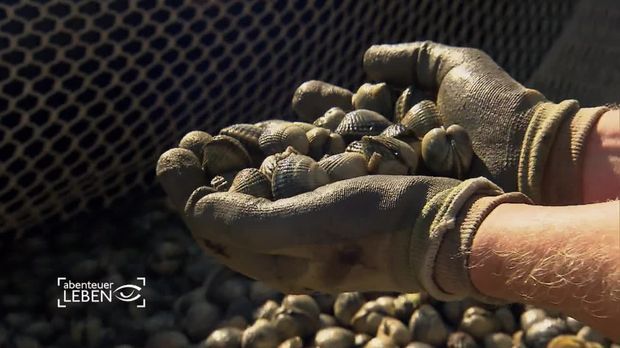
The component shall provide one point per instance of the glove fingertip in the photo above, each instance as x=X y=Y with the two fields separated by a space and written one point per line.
x=179 y=173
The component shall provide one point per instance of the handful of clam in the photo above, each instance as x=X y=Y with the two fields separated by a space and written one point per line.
x=379 y=129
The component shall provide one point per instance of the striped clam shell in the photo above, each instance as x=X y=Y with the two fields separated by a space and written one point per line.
x=248 y=135
x=297 y=174
x=224 y=154
x=195 y=141
x=278 y=137
x=269 y=163
x=323 y=142
x=422 y=117
x=408 y=98
x=359 y=123
x=251 y=181
x=344 y=166
x=375 y=97
x=447 y=151
x=386 y=155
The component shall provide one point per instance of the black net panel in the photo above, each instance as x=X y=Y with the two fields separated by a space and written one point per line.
x=91 y=92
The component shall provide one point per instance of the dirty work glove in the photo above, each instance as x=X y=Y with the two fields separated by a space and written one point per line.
x=400 y=233
x=521 y=140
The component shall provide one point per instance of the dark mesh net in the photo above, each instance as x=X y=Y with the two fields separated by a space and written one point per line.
x=91 y=92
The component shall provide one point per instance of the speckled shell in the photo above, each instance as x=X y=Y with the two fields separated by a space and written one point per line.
x=447 y=152
x=313 y=98
x=248 y=135
x=334 y=337
x=344 y=166
x=359 y=123
x=195 y=141
x=224 y=154
x=251 y=181
x=479 y=322
x=323 y=142
x=386 y=155
x=375 y=97
x=408 y=98
x=426 y=326
x=297 y=174
x=421 y=118
x=330 y=119
x=542 y=332
x=278 y=137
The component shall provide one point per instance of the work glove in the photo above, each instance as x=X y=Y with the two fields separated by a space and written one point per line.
x=521 y=140
x=393 y=233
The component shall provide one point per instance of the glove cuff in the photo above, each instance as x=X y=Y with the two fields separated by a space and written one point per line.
x=441 y=258
x=552 y=149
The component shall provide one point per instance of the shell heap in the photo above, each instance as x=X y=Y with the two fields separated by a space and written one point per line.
x=379 y=129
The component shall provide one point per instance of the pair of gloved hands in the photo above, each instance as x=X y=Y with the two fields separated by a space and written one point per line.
x=401 y=233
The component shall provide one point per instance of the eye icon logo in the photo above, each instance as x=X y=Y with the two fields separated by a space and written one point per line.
x=128 y=292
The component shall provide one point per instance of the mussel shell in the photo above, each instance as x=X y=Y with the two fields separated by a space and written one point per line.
x=313 y=98
x=224 y=154
x=278 y=137
x=344 y=166
x=330 y=119
x=248 y=135
x=426 y=326
x=421 y=118
x=408 y=98
x=375 y=97
x=251 y=181
x=195 y=141
x=447 y=152
x=386 y=155
x=359 y=123
x=323 y=142
x=297 y=174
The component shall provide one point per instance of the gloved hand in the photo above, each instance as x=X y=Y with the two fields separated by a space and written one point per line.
x=400 y=233
x=521 y=140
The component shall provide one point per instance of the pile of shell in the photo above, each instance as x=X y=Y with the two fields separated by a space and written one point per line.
x=376 y=130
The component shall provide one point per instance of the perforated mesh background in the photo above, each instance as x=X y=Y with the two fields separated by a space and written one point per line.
x=91 y=92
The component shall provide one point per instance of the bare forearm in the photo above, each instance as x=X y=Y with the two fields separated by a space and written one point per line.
x=562 y=257
x=601 y=166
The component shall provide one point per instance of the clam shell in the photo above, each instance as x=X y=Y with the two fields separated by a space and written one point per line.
x=278 y=137
x=305 y=126
x=251 y=181
x=293 y=342
x=531 y=317
x=395 y=330
x=380 y=342
x=269 y=163
x=323 y=142
x=375 y=97
x=330 y=119
x=224 y=338
x=297 y=316
x=195 y=141
x=261 y=334
x=405 y=305
x=461 y=340
x=479 y=322
x=400 y=132
x=408 y=98
x=447 y=152
x=344 y=166
x=359 y=123
x=334 y=337
x=346 y=305
x=297 y=174
x=426 y=326
x=386 y=155
x=269 y=123
x=248 y=135
x=506 y=319
x=542 y=332
x=224 y=154
x=498 y=340
x=368 y=318
x=313 y=98
x=421 y=118
x=178 y=171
